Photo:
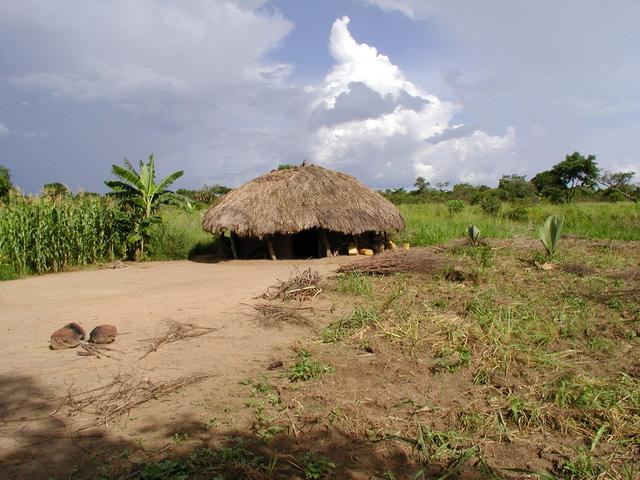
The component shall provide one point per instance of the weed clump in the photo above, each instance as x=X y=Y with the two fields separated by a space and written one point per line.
x=306 y=368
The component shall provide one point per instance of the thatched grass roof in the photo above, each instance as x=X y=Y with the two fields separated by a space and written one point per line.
x=299 y=198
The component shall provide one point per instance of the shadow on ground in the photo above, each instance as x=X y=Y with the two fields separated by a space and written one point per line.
x=36 y=444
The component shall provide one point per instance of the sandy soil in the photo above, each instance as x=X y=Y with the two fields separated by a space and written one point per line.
x=136 y=299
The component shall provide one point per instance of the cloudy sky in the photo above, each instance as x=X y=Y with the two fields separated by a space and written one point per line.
x=385 y=90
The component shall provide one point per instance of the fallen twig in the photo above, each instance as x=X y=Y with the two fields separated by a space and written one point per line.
x=119 y=396
x=176 y=331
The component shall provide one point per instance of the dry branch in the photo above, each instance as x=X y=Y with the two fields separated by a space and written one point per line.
x=270 y=315
x=119 y=396
x=301 y=285
x=95 y=350
x=176 y=331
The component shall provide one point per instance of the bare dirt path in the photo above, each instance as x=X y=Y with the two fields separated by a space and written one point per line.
x=136 y=299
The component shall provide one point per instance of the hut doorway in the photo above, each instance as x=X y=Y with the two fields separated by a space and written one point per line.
x=300 y=245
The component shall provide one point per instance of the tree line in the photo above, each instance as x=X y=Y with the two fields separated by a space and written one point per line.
x=576 y=177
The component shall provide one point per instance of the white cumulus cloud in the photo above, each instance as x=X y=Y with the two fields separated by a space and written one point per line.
x=411 y=134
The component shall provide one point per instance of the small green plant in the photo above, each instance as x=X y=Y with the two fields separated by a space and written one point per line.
x=583 y=467
x=454 y=206
x=306 y=369
x=315 y=467
x=473 y=234
x=550 y=233
x=453 y=360
x=178 y=437
x=164 y=469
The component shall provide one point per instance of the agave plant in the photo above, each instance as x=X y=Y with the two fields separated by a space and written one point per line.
x=550 y=233
x=473 y=234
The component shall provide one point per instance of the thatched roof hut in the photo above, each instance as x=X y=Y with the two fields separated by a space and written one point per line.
x=298 y=199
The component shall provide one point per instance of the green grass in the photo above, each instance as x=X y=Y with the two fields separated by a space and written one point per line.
x=354 y=283
x=49 y=235
x=180 y=235
x=430 y=224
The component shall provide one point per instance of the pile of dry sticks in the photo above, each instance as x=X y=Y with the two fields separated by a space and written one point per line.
x=415 y=260
x=301 y=285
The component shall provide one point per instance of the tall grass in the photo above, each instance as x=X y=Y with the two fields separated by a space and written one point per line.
x=39 y=235
x=180 y=235
x=429 y=224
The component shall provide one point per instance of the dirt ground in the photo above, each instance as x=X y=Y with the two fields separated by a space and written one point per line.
x=136 y=299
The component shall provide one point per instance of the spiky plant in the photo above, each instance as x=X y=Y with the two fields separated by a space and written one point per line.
x=550 y=233
x=473 y=234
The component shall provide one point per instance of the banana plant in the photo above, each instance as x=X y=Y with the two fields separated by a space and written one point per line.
x=139 y=192
x=550 y=233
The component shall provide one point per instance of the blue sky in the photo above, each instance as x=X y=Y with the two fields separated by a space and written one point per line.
x=385 y=90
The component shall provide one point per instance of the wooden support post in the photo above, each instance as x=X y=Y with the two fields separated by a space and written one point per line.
x=233 y=246
x=272 y=252
x=325 y=243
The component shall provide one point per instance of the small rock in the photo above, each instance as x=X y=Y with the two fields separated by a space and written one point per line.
x=74 y=326
x=275 y=364
x=103 y=334
x=68 y=336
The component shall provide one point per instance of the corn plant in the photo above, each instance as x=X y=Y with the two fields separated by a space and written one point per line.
x=550 y=233
x=39 y=235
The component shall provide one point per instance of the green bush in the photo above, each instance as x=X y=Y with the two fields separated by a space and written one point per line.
x=491 y=205
x=454 y=206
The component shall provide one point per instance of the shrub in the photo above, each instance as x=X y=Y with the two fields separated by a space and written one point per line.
x=518 y=211
x=491 y=205
x=454 y=206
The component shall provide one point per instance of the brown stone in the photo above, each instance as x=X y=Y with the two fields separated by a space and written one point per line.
x=68 y=336
x=275 y=364
x=77 y=328
x=103 y=334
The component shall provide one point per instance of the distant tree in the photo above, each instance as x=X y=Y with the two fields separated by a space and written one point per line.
x=5 y=182
x=515 y=187
x=548 y=185
x=619 y=183
x=83 y=194
x=285 y=166
x=576 y=171
x=399 y=196
x=55 y=189
x=469 y=193
x=421 y=185
x=442 y=186
x=206 y=194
